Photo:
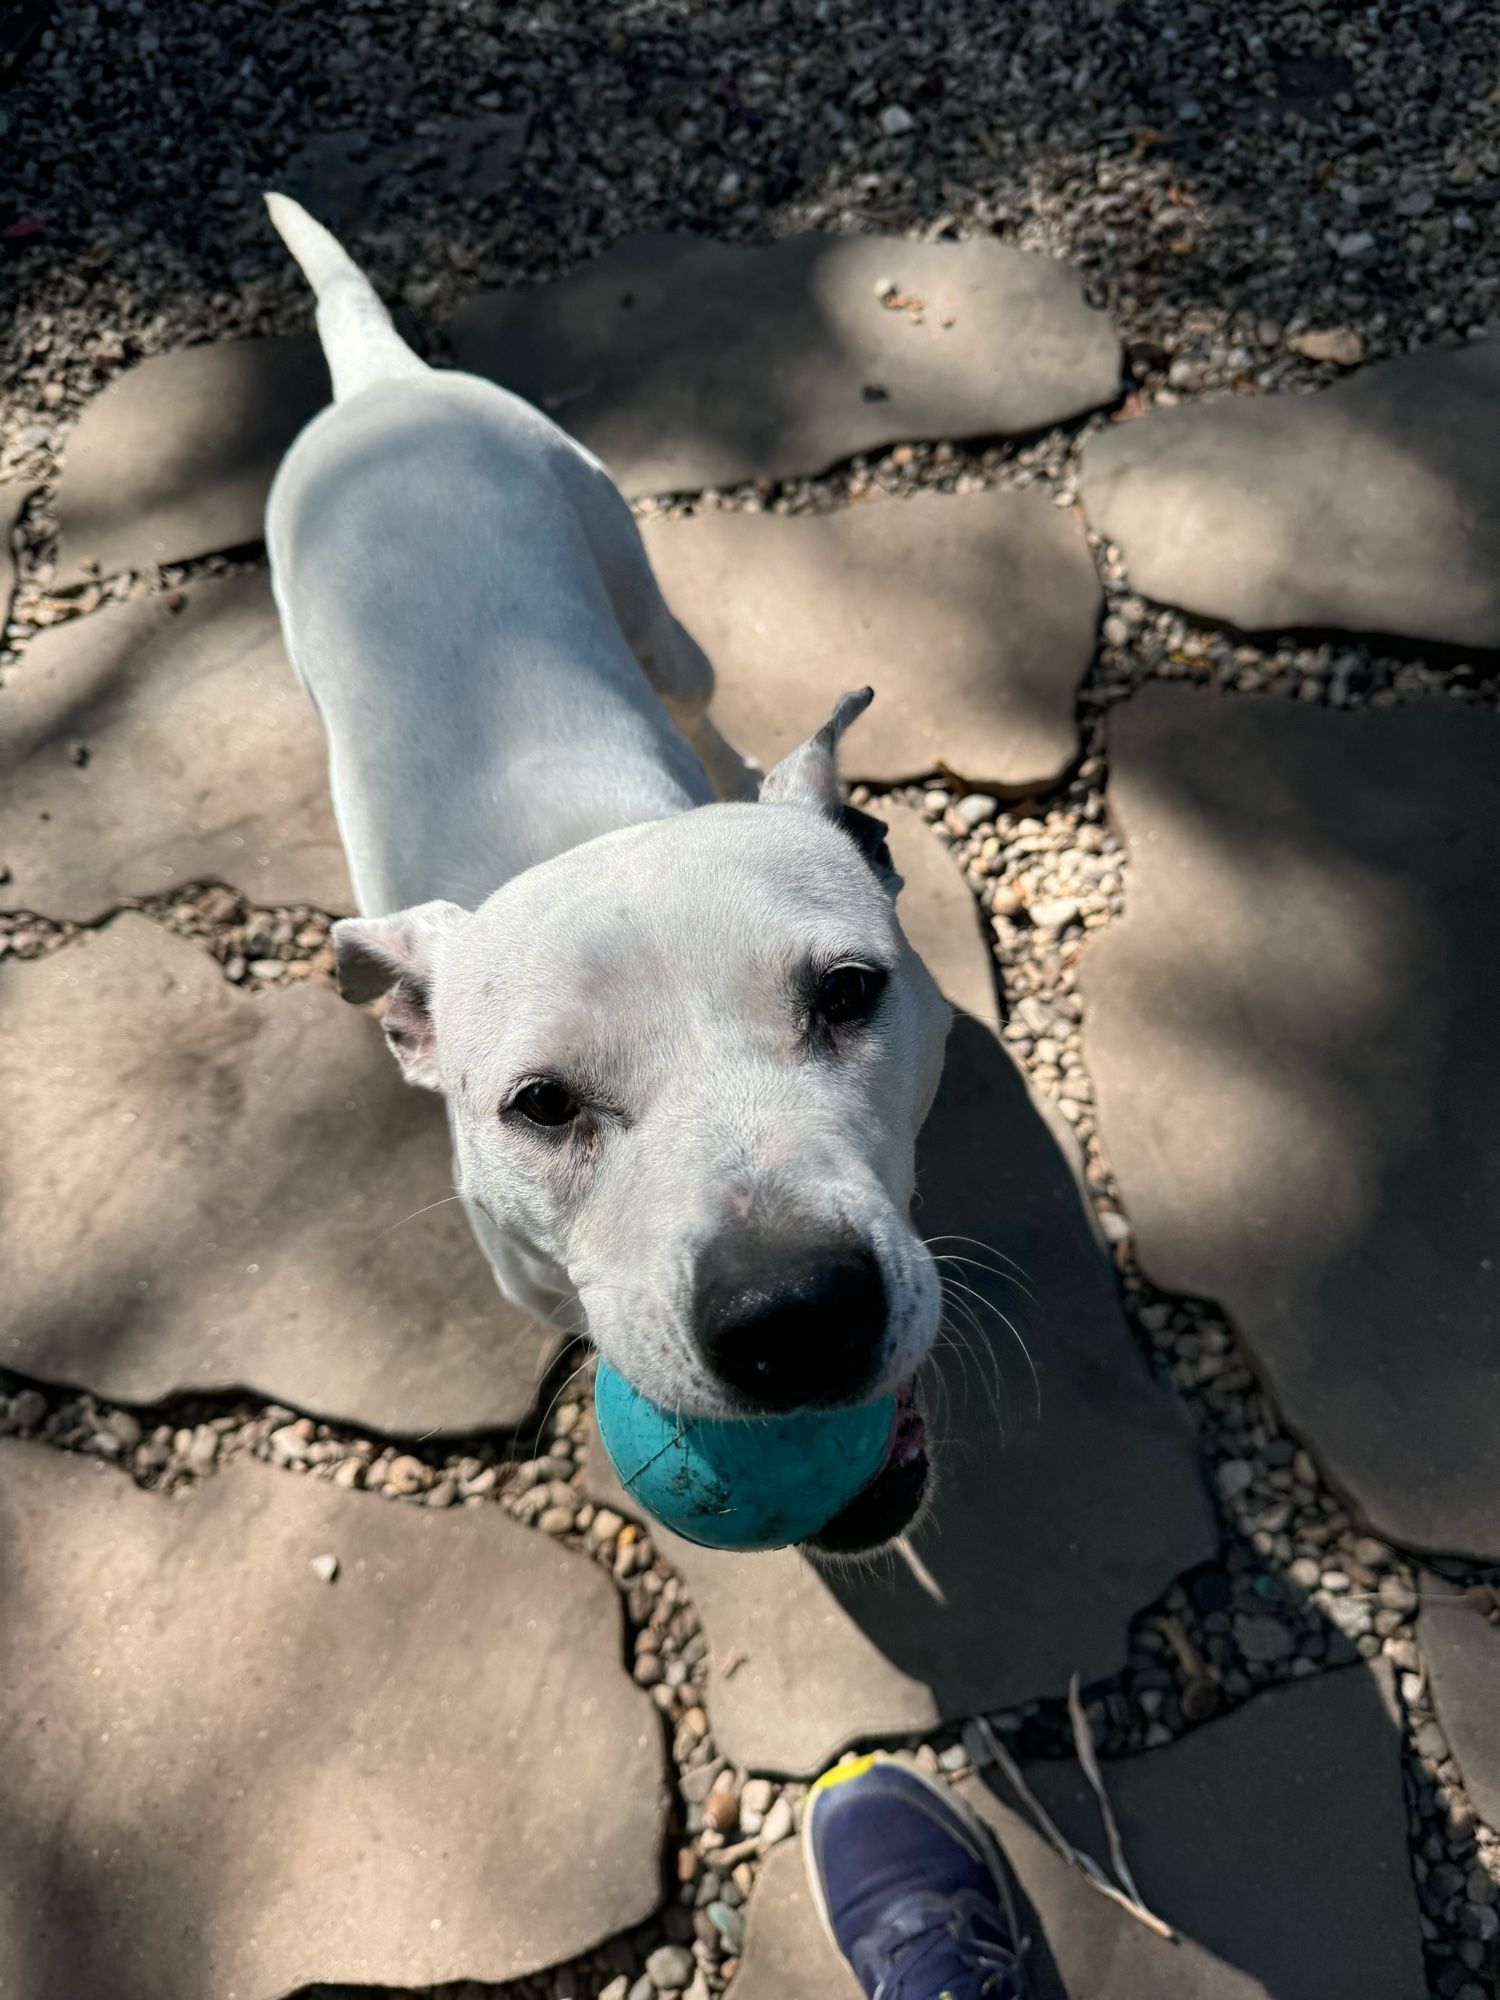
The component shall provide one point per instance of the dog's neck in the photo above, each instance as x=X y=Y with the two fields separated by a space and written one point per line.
x=485 y=833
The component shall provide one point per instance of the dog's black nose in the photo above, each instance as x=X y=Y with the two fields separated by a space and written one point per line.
x=791 y=1327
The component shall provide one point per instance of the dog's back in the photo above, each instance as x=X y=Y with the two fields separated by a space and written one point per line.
x=464 y=594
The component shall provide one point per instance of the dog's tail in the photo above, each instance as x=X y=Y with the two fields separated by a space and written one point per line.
x=361 y=344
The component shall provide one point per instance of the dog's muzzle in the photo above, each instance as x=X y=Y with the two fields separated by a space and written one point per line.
x=791 y=1325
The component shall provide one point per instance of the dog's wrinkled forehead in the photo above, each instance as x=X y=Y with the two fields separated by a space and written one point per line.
x=713 y=905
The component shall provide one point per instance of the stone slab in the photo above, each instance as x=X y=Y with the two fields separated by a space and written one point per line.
x=225 y=1776
x=1291 y=1034
x=1373 y=506
x=973 y=617
x=1049 y=1532
x=686 y=363
x=206 y=1189
x=1461 y=1652
x=1275 y=1840
x=175 y=458
x=148 y=746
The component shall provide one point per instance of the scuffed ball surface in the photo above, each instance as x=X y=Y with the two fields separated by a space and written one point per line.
x=740 y=1483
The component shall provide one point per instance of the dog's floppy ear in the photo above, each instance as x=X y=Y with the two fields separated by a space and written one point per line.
x=809 y=776
x=375 y=955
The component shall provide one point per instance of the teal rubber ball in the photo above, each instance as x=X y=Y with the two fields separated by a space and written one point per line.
x=740 y=1482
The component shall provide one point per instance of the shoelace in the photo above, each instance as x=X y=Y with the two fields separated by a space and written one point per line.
x=923 y=1933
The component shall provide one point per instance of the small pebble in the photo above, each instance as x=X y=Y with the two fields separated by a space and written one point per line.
x=1431 y=1743
x=730 y=1926
x=973 y=809
x=1234 y=1477
x=669 y=1968
x=405 y=1475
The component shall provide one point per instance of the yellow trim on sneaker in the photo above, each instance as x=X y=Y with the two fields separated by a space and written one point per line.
x=855 y=1767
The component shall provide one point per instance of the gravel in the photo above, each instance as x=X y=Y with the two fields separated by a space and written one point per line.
x=1227 y=182
x=1262 y=199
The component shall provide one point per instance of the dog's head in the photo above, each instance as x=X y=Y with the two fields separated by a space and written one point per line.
x=685 y=1066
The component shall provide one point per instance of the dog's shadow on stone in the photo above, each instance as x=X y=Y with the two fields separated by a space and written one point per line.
x=1066 y=1490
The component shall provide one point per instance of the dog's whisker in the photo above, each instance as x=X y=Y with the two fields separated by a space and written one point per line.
x=959 y=1297
x=971 y=1338
x=934 y=1381
x=960 y=1347
x=1011 y=1327
x=975 y=1244
x=1009 y=1277
x=978 y=1298
x=963 y=1341
x=443 y=1203
x=557 y=1397
x=989 y=1270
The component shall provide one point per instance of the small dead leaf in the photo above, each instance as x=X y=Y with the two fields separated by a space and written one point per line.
x=1083 y=1743
x=1075 y=1857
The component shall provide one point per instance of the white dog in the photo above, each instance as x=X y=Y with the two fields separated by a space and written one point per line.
x=684 y=1045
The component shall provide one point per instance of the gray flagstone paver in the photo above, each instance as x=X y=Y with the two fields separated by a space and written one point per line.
x=1373 y=505
x=208 y=1189
x=175 y=458
x=224 y=1775
x=1291 y=1034
x=161 y=742
x=972 y=616
x=687 y=363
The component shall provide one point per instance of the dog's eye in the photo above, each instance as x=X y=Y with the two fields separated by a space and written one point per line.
x=545 y=1103
x=848 y=993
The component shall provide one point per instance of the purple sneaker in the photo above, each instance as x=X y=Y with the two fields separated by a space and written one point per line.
x=911 y=1886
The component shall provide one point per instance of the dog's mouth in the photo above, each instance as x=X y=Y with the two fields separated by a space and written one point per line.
x=889 y=1503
